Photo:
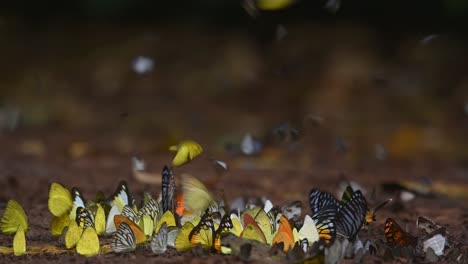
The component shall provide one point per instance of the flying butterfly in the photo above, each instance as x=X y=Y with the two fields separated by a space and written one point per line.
x=396 y=236
x=187 y=150
x=167 y=189
x=195 y=194
x=123 y=239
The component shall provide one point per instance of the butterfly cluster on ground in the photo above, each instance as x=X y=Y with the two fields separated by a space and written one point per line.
x=190 y=217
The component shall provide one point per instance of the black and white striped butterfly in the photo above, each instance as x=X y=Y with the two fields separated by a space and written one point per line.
x=152 y=208
x=128 y=212
x=351 y=215
x=159 y=241
x=319 y=200
x=123 y=239
x=84 y=218
x=167 y=189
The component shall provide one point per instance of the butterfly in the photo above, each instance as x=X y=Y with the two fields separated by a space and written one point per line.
x=351 y=215
x=370 y=215
x=78 y=201
x=437 y=243
x=187 y=150
x=319 y=200
x=60 y=200
x=110 y=225
x=396 y=236
x=225 y=226
x=121 y=196
x=123 y=239
x=167 y=189
x=128 y=212
x=83 y=218
x=14 y=222
x=88 y=244
x=167 y=218
x=196 y=196
x=204 y=232
x=150 y=207
x=138 y=234
x=284 y=235
x=159 y=241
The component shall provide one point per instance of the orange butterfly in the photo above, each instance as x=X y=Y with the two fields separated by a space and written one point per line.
x=140 y=237
x=284 y=234
x=396 y=236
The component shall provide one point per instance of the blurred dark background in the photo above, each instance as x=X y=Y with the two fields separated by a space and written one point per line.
x=380 y=76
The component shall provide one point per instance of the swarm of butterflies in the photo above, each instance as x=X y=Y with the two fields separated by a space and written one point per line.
x=195 y=219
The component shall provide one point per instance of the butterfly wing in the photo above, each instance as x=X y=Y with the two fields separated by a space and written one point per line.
x=167 y=189
x=138 y=234
x=128 y=212
x=396 y=236
x=83 y=218
x=19 y=242
x=13 y=218
x=204 y=232
x=325 y=221
x=186 y=151
x=123 y=239
x=159 y=241
x=60 y=200
x=168 y=219
x=110 y=225
x=122 y=193
x=88 y=245
x=351 y=216
x=225 y=226
x=182 y=242
x=318 y=200
x=196 y=196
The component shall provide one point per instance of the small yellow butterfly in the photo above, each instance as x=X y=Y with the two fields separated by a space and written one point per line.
x=187 y=150
x=167 y=218
x=19 y=242
x=100 y=220
x=13 y=218
x=58 y=224
x=273 y=4
x=196 y=196
x=73 y=235
x=88 y=245
x=60 y=200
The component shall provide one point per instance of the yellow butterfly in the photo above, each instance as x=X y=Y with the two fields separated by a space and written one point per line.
x=196 y=196
x=88 y=245
x=182 y=242
x=14 y=221
x=73 y=234
x=59 y=223
x=19 y=242
x=274 y=4
x=13 y=218
x=167 y=218
x=60 y=200
x=187 y=150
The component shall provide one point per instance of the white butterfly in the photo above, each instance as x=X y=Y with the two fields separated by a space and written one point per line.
x=123 y=239
x=159 y=241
